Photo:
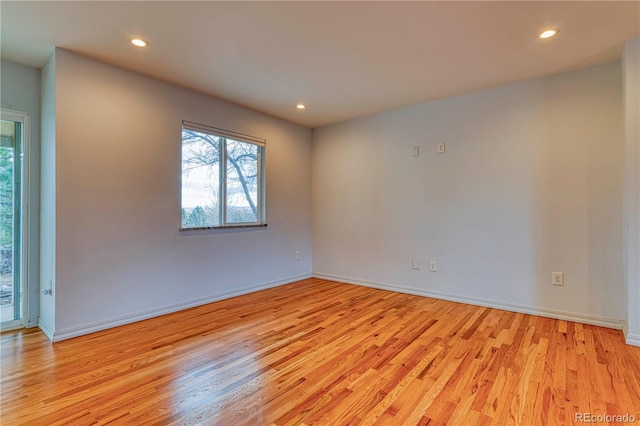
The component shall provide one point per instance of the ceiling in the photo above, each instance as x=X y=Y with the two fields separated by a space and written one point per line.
x=342 y=59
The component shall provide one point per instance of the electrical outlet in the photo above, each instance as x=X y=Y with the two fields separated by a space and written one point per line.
x=415 y=264
x=47 y=291
x=557 y=278
x=433 y=265
x=441 y=148
x=297 y=254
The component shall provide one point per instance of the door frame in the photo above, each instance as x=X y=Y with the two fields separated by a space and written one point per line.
x=21 y=117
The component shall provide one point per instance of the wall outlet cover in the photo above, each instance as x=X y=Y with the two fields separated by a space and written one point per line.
x=557 y=278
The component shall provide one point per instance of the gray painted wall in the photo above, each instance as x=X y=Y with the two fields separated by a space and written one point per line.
x=631 y=85
x=530 y=183
x=48 y=198
x=119 y=254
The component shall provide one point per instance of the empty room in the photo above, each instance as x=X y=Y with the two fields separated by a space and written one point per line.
x=320 y=213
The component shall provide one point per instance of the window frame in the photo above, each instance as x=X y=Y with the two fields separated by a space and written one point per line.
x=222 y=176
x=24 y=218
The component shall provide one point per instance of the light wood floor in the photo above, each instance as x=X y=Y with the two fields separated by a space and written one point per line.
x=320 y=352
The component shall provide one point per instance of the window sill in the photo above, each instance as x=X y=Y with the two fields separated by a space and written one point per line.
x=208 y=228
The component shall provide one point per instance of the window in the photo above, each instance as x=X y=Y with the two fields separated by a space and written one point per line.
x=222 y=178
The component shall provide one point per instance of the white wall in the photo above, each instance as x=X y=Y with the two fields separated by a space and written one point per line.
x=20 y=91
x=48 y=197
x=120 y=256
x=631 y=92
x=531 y=182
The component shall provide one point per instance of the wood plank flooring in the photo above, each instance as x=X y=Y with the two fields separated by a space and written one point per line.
x=320 y=352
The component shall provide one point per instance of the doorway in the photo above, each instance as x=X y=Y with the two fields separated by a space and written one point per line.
x=13 y=213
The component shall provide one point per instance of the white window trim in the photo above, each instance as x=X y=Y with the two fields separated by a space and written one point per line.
x=240 y=137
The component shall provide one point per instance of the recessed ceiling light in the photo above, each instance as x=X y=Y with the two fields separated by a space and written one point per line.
x=549 y=33
x=139 y=42
x=301 y=106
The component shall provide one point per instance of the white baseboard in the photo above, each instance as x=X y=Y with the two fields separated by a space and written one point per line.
x=46 y=328
x=58 y=335
x=632 y=339
x=506 y=306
